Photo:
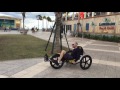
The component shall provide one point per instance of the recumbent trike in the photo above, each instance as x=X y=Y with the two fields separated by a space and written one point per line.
x=85 y=61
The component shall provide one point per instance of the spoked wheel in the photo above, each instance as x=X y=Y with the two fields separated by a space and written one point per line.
x=56 y=66
x=85 y=62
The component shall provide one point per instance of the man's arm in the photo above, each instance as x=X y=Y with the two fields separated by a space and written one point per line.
x=69 y=51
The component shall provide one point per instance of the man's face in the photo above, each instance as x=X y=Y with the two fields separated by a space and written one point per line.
x=74 y=45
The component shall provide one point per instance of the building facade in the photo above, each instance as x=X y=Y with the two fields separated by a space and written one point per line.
x=9 y=22
x=94 y=22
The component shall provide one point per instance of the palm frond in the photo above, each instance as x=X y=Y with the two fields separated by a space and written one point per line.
x=39 y=17
x=49 y=19
x=23 y=14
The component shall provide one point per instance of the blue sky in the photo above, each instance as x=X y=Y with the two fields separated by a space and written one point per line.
x=31 y=20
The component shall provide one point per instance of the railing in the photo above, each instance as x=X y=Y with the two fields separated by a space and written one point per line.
x=96 y=16
x=70 y=19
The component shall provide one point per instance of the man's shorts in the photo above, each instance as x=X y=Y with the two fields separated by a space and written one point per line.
x=68 y=57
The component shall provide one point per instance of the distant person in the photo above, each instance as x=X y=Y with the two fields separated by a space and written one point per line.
x=10 y=28
x=33 y=30
x=5 y=30
x=36 y=30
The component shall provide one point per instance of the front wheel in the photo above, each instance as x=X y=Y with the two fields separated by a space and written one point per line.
x=56 y=66
x=85 y=62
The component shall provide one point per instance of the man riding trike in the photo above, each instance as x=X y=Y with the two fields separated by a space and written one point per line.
x=74 y=56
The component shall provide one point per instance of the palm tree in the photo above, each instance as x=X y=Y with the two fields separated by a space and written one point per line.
x=23 y=15
x=44 y=17
x=46 y=23
x=58 y=16
x=39 y=17
x=58 y=20
x=49 y=19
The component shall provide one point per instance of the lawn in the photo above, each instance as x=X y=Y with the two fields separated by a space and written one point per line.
x=21 y=46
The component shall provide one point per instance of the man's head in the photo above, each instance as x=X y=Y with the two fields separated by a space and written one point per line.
x=74 y=45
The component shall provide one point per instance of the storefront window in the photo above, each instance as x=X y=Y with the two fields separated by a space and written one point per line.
x=6 y=23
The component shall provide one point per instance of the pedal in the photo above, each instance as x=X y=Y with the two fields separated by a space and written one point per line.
x=78 y=61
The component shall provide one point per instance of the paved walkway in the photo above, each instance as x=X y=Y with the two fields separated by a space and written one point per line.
x=9 y=32
x=106 y=62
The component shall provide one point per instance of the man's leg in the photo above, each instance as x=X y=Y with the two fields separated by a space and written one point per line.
x=63 y=52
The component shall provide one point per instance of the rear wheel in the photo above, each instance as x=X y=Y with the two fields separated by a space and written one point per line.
x=85 y=62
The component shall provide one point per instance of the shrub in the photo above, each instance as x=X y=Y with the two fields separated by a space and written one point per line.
x=79 y=34
x=100 y=37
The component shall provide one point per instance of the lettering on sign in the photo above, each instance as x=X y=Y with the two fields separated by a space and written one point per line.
x=107 y=25
x=107 y=28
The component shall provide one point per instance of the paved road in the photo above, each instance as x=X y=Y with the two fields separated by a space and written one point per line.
x=106 y=62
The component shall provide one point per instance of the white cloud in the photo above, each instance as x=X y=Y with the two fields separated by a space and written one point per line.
x=30 y=22
x=5 y=15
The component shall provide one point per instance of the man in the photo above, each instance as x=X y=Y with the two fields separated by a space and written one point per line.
x=5 y=29
x=75 y=54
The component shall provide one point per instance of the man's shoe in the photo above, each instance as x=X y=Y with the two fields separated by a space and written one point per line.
x=56 y=62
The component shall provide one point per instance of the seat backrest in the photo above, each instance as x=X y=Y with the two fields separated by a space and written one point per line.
x=81 y=50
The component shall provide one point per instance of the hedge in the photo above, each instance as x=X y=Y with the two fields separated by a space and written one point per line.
x=101 y=37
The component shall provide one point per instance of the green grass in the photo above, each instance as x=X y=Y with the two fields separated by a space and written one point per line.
x=22 y=46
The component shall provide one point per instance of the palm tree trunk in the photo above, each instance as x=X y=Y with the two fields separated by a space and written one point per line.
x=43 y=23
x=66 y=16
x=23 y=22
x=23 y=15
x=46 y=25
x=38 y=24
x=73 y=16
x=58 y=24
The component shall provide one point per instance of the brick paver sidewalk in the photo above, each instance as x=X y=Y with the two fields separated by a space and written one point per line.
x=106 y=62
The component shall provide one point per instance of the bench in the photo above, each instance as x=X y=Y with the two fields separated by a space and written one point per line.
x=23 y=32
